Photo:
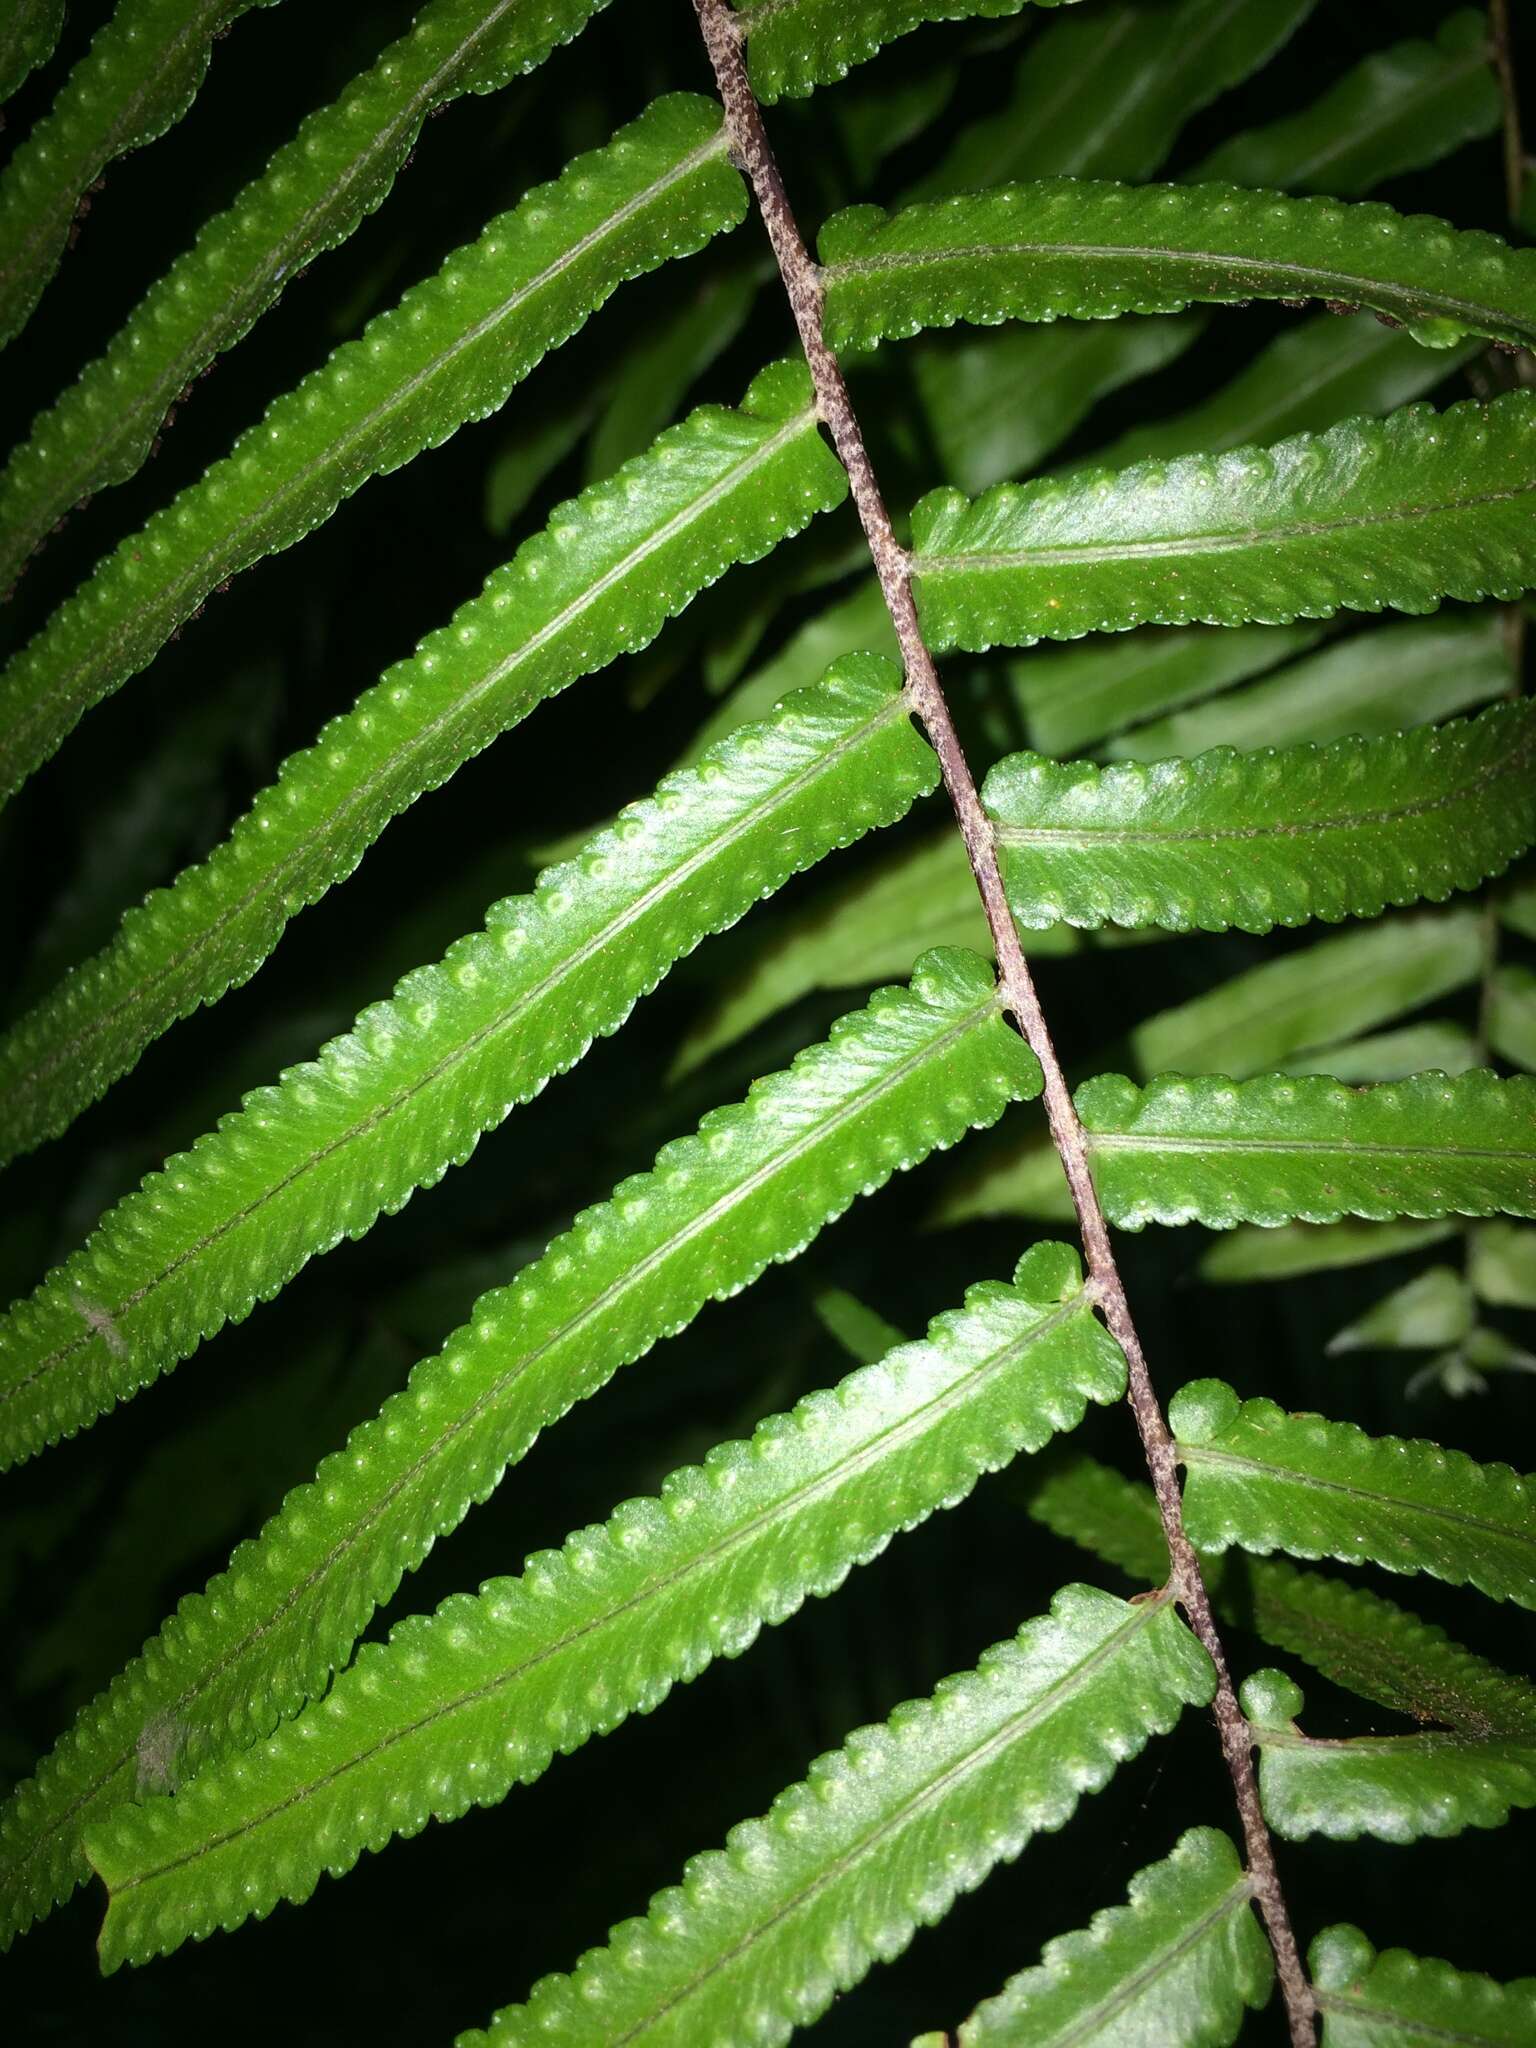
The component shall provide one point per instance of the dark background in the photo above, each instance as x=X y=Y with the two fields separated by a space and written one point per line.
x=98 y=1539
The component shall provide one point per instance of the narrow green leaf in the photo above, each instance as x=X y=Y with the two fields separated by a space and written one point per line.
x=1292 y=1249
x=1370 y=684
x=420 y=1729
x=1274 y=836
x=408 y=1092
x=1502 y=1265
x=1511 y=1017
x=28 y=37
x=1405 y=107
x=1517 y=906
x=1398 y=1788
x=1382 y=2001
x=1332 y=989
x=601 y=579
x=449 y=352
x=880 y=1839
x=853 y=1326
x=1433 y=1309
x=1399 y=512
x=1323 y=370
x=1180 y=1964
x=1074 y=696
x=1105 y=93
x=911 y=1073
x=1277 y=1150
x=1082 y=249
x=315 y=191
x=795 y=45
x=1266 y=1481
x=139 y=76
x=1368 y=1645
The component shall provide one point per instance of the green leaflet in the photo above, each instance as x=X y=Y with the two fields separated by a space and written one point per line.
x=312 y=195
x=1277 y=1150
x=1105 y=93
x=795 y=45
x=1269 y=837
x=1285 y=1253
x=1405 y=107
x=1398 y=1788
x=913 y=1071
x=1063 y=248
x=880 y=1838
x=1366 y=1644
x=601 y=579
x=1329 y=990
x=1073 y=696
x=1266 y=1481
x=421 y=1727
x=1178 y=1964
x=139 y=76
x=1372 y=683
x=449 y=352
x=1379 y=2001
x=1399 y=512
x=408 y=1092
x=1517 y=906
x=1307 y=379
x=27 y=38
x=1512 y=1015
x=1431 y=1047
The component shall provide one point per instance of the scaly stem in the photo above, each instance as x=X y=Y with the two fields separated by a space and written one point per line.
x=753 y=153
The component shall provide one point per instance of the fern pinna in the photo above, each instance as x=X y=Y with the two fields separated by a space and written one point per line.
x=1170 y=403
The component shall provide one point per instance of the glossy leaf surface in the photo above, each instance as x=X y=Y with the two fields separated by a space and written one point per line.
x=796 y=45
x=1376 y=2001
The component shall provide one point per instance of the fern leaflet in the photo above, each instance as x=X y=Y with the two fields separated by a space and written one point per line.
x=28 y=36
x=795 y=45
x=1379 y=2001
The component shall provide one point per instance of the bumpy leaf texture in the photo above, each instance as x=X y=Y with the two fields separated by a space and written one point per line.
x=458 y=1708
x=912 y=1072
x=881 y=1837
x=1400 y=512
x=795 y=45
x=316 y=190
x=1265 y=1480
x=1377 y=2001
x=1269 y=837
x=451 y=351
x=27 y=38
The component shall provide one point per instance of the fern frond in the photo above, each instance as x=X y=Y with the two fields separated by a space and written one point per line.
x=1075 y=696
x=1501 y=1264
x=1396 y=111
x=1276 y=836
x=409 y=1091
x=1079 y=249
x=1104 y=94
x=1399 y=512
x=449 y=352
x=1379 y=2001
x=458 y=1708
x=1277 y=1150
x=1180 y=1963
x=1266 y=1481
x=28 y=36
x=880 y=1838
x=1517 y=906
x=1369 y=684
x=316 y=190
x=1289 y=1250
x=139 y=76
x=1368 y=1645
x=1303 y=999
x=1434 y=1046
x=600 y=580
x=795 y=45
x=1433 y=1309
x=1398 y=1788
x=911 y=1073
